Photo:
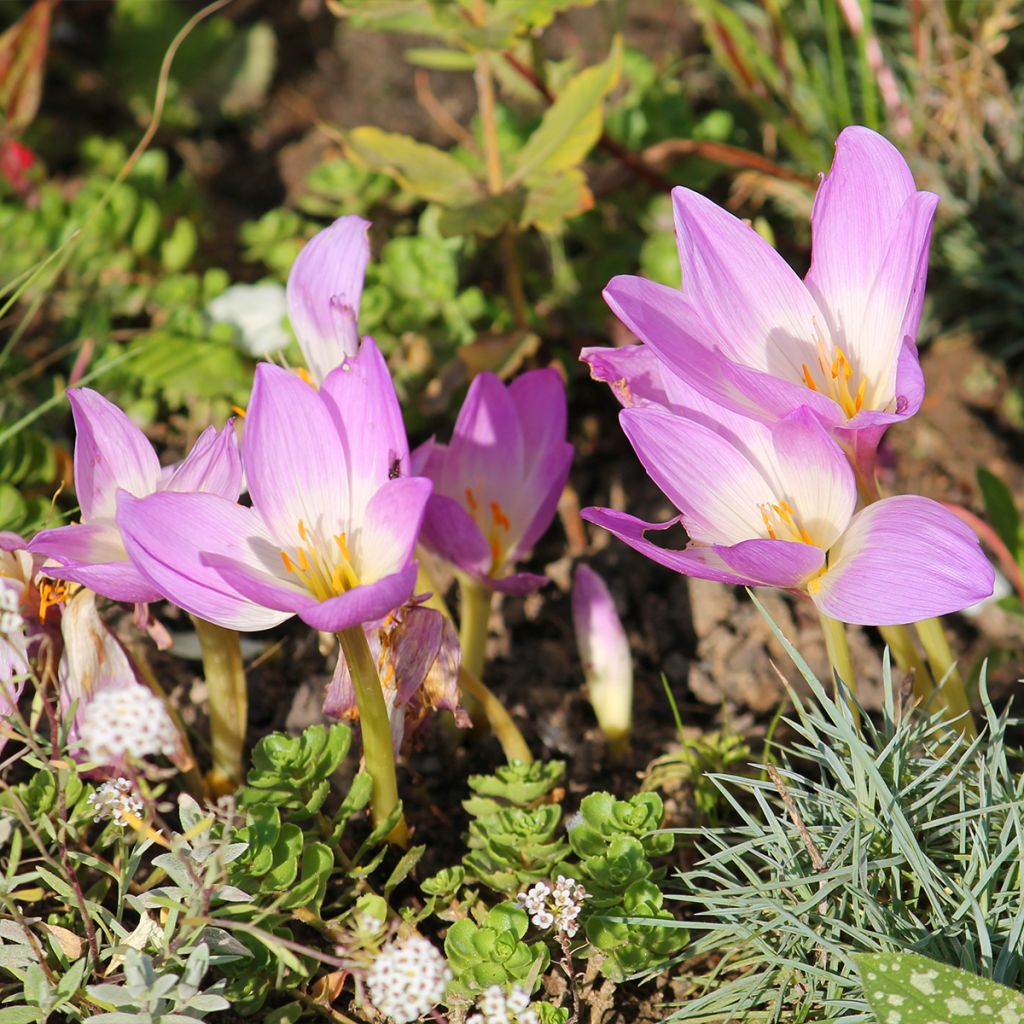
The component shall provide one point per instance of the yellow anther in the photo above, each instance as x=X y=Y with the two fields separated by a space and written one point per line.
x=303 y=560
x=471 y=500
x=858 y=402
x=305 y=375
x=302 y=530
x=341 y=540
x=289 y=565
x=767 y=523
x=51 y=593
x=238 y=411
x=808 y=379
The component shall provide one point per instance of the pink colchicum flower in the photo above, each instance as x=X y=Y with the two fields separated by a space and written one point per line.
x=746 y=331
x=497 y=483
x=334 y=517
x=604 y=651
x=324 y=289
x=774 y=505
x=113 y=455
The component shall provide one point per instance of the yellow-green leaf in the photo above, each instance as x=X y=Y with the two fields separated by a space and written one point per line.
x=572 y=124
x=485 y=217
x=554 y=199
x=423 y=170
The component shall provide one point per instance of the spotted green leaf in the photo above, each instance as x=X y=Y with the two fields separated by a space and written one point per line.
x=907 y=988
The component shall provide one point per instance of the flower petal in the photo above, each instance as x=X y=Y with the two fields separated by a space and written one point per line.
x=516 y=584
x=294 y=458
x=773 y=563
x=449 y=531
x=365 y=603
x=385 y=541
x=540 y=494
x=539 y=399
x=324 y=289
x=167 y=535
x=815 y=477
x=702 y=562
x=757 y=309
x=719 y=491
x=95 y=557
x=214 y=465
x=111 y=453
x=633 y=372
x=901 y=560
x=486 y=449
x=361 y=396
x=852 y=224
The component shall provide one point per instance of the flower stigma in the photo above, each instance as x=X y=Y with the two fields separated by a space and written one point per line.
x=315 y=565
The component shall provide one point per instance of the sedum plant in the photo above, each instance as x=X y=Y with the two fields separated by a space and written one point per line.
x=878 y=838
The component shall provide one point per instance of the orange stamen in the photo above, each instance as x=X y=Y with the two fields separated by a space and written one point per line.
x=471 y=500
x=238 y=411
x=808 y=379
x=499 y=517
x=289 y=565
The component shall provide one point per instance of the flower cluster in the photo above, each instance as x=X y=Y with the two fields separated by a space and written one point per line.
x=127 y=723
x=757 y=401
x=407 y=979
x=557 y=907
x=495 y=1006
x=114 y=799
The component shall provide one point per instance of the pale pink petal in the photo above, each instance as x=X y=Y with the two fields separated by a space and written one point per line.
x=855 y=212
x=169 y=536
x=294 y=458
x=516 y=584
x=757 y=309
x=633 y=372
x=539 y=400
x=324 y=289
x=385 y=541
x=814 y=477
x=449 y=531
x=901 y=560
x=543 y=490
x=361 y=396
x=111 y=453
x=703 y=562
x=365 y=603
x=214 y=465
x=719 y=492
x=773 y=563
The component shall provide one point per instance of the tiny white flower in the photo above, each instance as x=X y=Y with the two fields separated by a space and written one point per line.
x=115 y=799
x=407 y=979
x=127 y=722
x=257 y=312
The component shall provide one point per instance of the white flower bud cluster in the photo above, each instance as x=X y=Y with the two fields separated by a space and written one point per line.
x=407 y=979
x=127 y=722
x=115 y=799
x=495 y=1007
x=557 y=907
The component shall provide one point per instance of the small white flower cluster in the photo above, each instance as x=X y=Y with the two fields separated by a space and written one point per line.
x=127 y=722
x=407 y=979
x=498 y=1008
x=558 y=907
x=114 y=799
x=11 y=621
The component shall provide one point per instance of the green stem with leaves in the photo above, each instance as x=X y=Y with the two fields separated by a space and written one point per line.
x=229 y=702
x=378 y=752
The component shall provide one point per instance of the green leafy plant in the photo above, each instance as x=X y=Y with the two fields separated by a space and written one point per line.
x=869 y=838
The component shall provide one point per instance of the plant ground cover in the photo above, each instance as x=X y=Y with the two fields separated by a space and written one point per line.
x=720 y=659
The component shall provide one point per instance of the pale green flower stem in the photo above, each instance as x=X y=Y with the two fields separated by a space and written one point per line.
x=952 y=695
x=904 y=653
x=838 y=652
x=228 y=700
x=378 y=752
x=474 y=613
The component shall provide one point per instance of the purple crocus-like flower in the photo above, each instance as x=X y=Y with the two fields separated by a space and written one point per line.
x=497 y=483
x=324 y=289
x=746 y=331
x=604 y=651
x=112 y=455
x=334 y=517
x=774 y=505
